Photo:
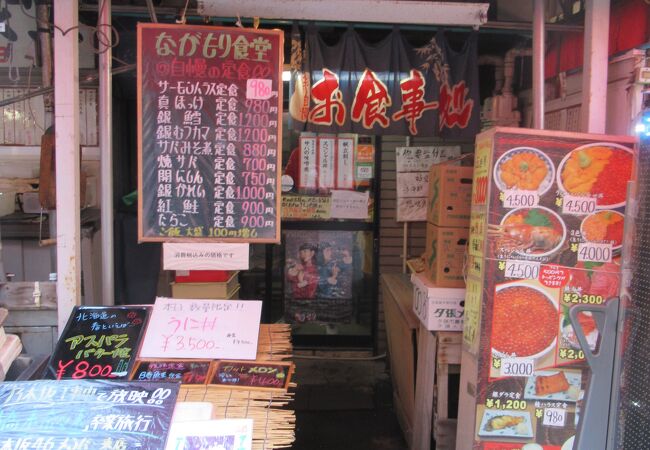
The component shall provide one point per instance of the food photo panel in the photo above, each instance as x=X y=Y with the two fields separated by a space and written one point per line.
x=524 y=328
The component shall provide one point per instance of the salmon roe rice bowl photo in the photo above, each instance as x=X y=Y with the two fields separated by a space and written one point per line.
x=525 y=321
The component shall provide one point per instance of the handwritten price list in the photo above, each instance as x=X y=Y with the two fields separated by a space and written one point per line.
x=210 y=113
x=98 y=343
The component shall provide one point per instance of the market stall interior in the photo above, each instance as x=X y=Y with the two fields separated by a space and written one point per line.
x=269 y=187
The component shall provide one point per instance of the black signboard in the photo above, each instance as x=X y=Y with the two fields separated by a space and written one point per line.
x=253 y=374
x=99 y=343
x=188 y=371
x=85 y=414
x=210 y=105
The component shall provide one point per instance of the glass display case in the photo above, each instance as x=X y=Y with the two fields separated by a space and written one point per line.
x=322 y=278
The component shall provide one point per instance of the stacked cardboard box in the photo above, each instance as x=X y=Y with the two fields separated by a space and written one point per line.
x=10 y=347
x=204 y=284
x=448 y=213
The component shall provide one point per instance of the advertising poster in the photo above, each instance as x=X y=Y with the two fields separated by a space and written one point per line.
x=318 y=276
x=547 y=224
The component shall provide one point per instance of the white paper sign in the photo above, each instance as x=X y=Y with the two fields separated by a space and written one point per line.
x=412 y=209
x=516 y=198
x=554 y=417
x=349 y=205
x=523 y=270
x=345 y=163
x=210 y=329
x=211 y=434
x=308 y=172
x=419 y=159
x=588 y=251
x=412 y=184
x=579 y=206
x=517 y=367
x=205 y=256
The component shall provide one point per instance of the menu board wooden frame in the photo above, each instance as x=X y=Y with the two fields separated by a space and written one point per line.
x=171 y=221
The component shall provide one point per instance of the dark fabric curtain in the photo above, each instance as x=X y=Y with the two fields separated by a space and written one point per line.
x=137 y=266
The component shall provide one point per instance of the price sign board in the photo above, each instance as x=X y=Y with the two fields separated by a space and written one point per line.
x=253 y=374
x=98 y=343
x=187 y=371
x=87 y=414
x=203 y=329
x=210 y=104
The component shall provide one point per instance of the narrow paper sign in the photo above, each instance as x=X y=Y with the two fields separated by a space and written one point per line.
x=180 y=256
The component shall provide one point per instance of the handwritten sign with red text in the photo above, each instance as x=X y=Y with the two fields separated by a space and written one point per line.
x=98 y=343
x=209 y=124
x=195 y=329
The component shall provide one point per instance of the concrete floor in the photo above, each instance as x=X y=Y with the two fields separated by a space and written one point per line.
x=343 y=405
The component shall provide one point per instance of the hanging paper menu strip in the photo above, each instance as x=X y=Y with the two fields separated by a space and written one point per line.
x=210 y=103
x=326 y=155
x=199 y=329
x=99 y=343
x=345 y=145
x=87 y=414
x=308 y=169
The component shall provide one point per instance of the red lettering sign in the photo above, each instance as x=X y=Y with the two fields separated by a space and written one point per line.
x=371 y=101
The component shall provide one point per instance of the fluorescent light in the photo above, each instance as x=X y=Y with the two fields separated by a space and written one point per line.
x=393 y=11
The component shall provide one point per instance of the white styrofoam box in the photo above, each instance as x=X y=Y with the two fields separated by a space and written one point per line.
x=439 y=309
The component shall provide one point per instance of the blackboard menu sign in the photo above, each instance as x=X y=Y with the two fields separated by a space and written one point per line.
x=210 y=105
x=187 y=371
x=85 y=414
x=98 y=342
x=253 y=374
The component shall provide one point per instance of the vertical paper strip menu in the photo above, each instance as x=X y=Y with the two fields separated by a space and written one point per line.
x=345 y=162
x=326 y=162
x=308 y=169
x=210 y=104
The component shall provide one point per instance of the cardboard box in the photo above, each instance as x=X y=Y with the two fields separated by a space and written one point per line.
x=221 y=290
x=439 y=309
x=450 y=195
x=444 y=256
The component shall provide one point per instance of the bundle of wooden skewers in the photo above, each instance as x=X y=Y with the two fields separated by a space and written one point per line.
x=274 y=422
